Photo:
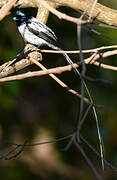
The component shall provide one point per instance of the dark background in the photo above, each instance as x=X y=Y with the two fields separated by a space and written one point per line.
x=38 y=109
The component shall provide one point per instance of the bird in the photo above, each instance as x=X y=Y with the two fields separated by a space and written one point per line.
x=38 y=34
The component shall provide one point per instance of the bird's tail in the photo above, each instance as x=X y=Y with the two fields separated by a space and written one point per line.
x=68 y=60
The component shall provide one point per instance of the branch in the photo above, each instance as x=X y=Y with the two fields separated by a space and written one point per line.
x=38 y=73
x=77 y=51
x=22 y=61
x=26 y=61
x=43 y=15
x=61 y=83
x=59 y=14
x=6 y=8
x=57 y=70
x=105 y=14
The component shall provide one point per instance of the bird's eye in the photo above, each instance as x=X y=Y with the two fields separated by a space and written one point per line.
x=14 y=18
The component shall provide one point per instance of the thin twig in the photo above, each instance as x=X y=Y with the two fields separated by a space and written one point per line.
x=77 y=51
x=105 y=161
x=87 y=159
x=82 y=120
x=79 y=29
x=92 y=8
x=8 y=157
x=41 y=143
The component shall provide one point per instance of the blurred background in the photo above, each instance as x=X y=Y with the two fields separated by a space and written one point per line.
x=38 y=109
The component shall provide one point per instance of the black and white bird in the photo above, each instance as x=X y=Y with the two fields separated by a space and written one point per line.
x=38 y=34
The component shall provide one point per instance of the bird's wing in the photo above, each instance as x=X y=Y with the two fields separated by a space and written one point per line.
x=42 y=31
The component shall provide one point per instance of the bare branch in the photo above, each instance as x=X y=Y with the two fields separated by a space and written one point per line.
x=22 y=61
x=59 y=14
x=83 y=51
x=6 y=8
x=58 y=70
x=94 y=2
x=105 y=14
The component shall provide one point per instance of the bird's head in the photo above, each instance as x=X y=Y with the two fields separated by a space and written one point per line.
x=21 y=17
